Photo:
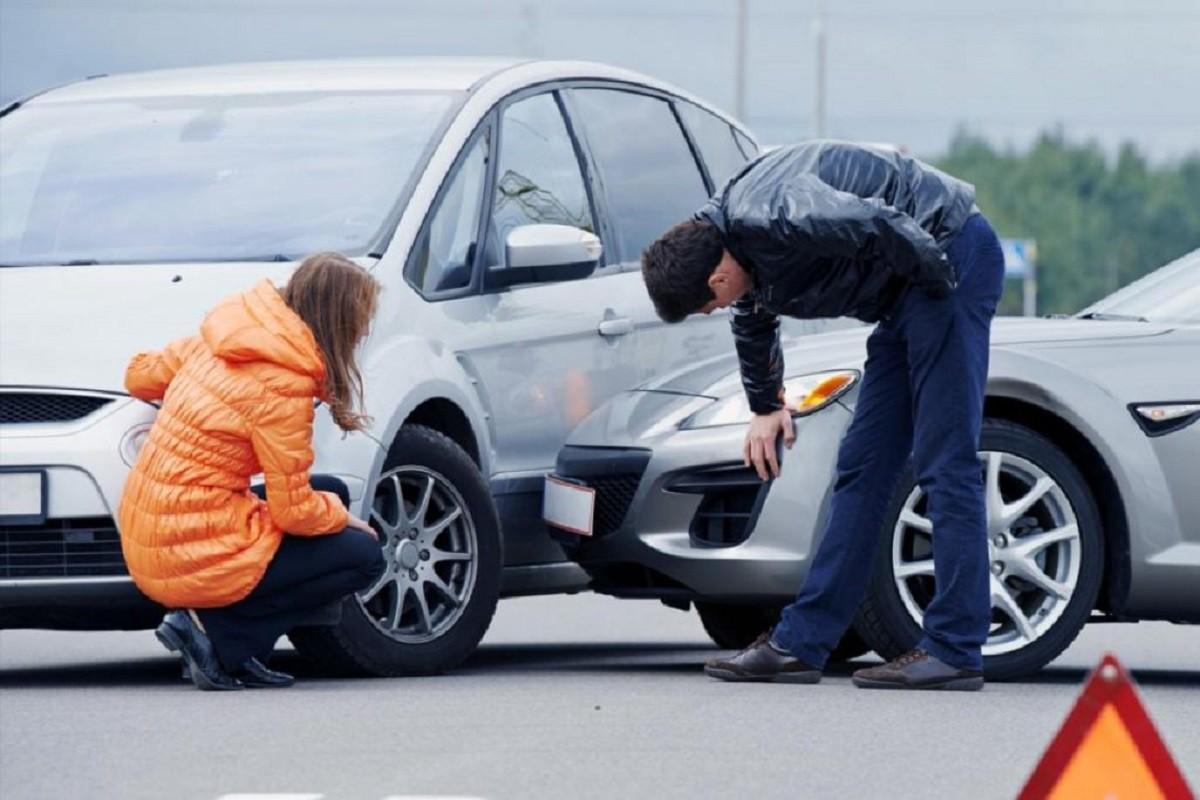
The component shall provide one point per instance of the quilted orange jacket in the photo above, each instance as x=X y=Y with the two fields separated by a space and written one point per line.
x=237 y=400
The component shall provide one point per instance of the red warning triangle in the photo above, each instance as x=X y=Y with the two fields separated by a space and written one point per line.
x=1108 y=748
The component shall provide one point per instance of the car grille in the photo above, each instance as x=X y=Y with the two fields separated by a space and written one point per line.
x=62 y=548
x=732 y=497
x=25 y=407
x=614 y=493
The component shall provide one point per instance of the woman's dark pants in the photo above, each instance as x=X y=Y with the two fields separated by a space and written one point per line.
x=307 y=573
x=922 y=395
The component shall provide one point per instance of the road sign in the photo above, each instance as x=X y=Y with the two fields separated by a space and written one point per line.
x=1020 y=261
x=1107 y=748
x=1019 y=256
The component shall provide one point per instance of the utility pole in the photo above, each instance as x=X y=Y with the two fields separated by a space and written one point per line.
x=739 y=62
x=818 y=113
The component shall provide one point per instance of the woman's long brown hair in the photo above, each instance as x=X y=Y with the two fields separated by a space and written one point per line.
x=337 y=299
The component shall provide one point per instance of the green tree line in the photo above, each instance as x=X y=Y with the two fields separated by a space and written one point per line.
x=1099 y=221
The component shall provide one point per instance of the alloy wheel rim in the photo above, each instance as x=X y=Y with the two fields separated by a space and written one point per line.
x=430 y=550
x=1034 y=551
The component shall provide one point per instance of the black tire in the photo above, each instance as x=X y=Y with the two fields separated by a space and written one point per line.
x=735 y=627
x=355 y=646
x=889 y=629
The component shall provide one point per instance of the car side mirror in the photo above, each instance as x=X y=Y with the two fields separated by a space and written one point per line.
x=541 y=253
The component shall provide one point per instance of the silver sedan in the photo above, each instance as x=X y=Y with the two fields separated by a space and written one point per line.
x=1089 y=452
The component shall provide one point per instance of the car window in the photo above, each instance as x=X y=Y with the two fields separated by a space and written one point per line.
x=714 y=137
x=1170 y=294
x=538 y=179
x=222 y=177
x=445 y=253
x=748 y=147
x=650 y=177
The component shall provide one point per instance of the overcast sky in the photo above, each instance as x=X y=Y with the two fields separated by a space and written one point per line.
x=908 y=72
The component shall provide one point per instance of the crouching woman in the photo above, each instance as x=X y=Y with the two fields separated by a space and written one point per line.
x=238 y=400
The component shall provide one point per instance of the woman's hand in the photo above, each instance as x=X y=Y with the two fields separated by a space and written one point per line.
x=358 y=524
x=759 y=448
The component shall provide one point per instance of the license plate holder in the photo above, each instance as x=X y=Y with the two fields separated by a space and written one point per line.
x=22 y=496
x=569 y=506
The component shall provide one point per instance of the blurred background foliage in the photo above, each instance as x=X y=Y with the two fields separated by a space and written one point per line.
x=1099 y=221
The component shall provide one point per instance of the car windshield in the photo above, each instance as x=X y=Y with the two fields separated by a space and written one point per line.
x=1169 y=294
x=208 y=178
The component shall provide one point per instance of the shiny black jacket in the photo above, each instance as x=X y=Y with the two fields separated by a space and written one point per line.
x=831 y=229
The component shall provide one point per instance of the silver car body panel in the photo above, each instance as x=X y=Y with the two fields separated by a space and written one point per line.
x=1085 y=372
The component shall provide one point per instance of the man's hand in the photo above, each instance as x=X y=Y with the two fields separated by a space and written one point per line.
x=358 y=524
x=764 y=431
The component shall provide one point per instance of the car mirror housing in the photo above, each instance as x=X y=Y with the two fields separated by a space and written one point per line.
x=543 y=253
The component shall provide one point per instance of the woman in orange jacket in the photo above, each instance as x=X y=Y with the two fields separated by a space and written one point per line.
x=238 y=400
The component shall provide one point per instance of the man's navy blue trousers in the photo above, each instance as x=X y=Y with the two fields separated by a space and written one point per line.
x=922 y=396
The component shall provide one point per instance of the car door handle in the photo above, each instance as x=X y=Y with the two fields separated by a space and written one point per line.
x=615 y=327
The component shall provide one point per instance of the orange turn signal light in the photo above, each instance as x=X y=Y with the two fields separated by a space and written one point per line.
x=824 y=390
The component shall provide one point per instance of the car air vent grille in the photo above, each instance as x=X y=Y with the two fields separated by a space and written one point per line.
x=62 y=548
x=26 y=407
x=732 y=498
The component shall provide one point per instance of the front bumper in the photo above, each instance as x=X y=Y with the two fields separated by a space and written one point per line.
x=68 y=570
x=696 y=524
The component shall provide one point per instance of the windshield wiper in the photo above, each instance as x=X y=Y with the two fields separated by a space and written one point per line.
x=1106 y=317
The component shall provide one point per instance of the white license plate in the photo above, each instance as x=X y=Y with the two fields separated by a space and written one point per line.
x=22 y=497
x=569 y=506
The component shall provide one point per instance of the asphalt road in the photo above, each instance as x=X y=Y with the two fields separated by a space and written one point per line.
x=580 y=697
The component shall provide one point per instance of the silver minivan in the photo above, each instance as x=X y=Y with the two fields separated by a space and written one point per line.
x=503 y=205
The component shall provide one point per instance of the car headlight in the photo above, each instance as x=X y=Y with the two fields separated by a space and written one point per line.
x=132 y=442
x=804 y=394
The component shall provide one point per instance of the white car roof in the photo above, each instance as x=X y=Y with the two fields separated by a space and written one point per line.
x=383 y=74
x=374 y=74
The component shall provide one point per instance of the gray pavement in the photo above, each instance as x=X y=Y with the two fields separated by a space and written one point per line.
x=580 y=697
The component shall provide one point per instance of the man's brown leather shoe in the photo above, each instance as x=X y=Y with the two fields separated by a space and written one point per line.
x=761 y=662
x=917 y=669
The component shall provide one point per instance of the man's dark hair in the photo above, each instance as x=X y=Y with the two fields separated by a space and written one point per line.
x=676 y=268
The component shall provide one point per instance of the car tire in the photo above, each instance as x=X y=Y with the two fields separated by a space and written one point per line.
x=364 y=642
x=888 y=623
x=733 y=627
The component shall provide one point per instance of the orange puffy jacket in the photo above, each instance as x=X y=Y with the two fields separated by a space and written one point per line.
x=237 y=400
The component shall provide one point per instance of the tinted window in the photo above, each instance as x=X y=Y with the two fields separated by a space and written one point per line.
x=446 y=252
x=538 y=179
x=650 y=177
x=715 y=139
x=207 y=177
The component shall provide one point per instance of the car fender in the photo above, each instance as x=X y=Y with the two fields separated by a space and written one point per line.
x=1103 y=419
x=398 y=377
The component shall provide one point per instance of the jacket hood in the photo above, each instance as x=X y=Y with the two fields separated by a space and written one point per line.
x=258 y=326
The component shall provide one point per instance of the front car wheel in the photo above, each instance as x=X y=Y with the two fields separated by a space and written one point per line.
x=1045 y=552
x=440 y=536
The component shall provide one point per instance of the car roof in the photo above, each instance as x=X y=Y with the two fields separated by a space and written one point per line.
x=378 y=74
x=353 y=74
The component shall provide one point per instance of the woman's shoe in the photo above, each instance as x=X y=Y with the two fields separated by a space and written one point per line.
x=179 y=634
x=255 y=675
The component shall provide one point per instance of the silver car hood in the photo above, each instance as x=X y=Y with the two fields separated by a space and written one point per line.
x=76 y=327
x=846 y=349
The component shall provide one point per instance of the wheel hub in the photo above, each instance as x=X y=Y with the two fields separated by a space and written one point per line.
x=408 y=554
